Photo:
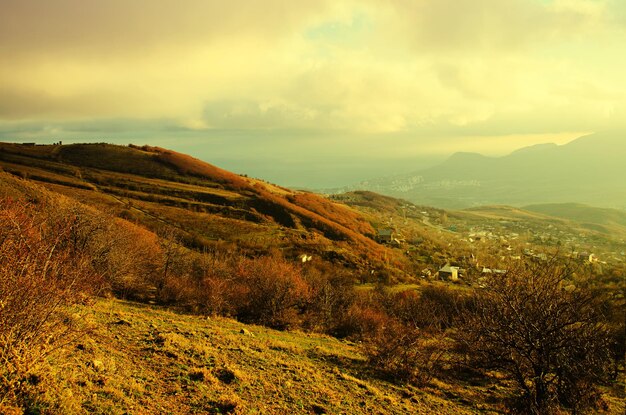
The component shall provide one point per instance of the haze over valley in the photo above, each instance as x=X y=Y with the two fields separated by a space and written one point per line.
x=589 y=170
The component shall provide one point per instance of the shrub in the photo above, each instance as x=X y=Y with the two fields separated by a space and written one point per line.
x=332 y=295
x=434 y=308
x=405 y=353
x=271 y=292
x=363 y=320
x=41 y=276
x=217 y=289
x=179 y=290
x=552 y=342
x=171 y=276
x=133 y=256
x=124 y=254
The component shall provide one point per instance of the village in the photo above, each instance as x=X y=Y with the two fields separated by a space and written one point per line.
x=476 y=247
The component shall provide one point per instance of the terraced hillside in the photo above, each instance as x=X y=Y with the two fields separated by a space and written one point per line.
x=202 y=204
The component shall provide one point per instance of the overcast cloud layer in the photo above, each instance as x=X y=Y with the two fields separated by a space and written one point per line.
x=276 y=86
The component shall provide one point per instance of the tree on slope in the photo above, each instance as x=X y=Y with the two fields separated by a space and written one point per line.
x=548 y=335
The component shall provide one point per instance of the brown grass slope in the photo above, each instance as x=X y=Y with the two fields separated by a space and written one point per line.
x=159 y=187
x=143 y=359
x=609 y=220
x=146 y=360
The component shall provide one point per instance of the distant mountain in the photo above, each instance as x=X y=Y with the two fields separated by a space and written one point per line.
x=589 y=170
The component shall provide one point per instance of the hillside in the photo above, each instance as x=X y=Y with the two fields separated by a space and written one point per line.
x=72 y=346
x=612 y=220
x=208 y=208
x=587 y=170
x=202 y=204
x=147 y=360
x=129 y=357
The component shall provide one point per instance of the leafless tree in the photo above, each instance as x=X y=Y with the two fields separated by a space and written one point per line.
x=548 y=335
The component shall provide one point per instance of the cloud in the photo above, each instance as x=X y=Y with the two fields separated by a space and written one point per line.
x=19 y=103
x=120 y=27
x=476 y=27
x=248 y=114
x=470 y=26
x=356 y=68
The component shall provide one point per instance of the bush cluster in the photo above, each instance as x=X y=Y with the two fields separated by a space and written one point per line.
x=43 y=273
x=266 y=290
x=56 y=254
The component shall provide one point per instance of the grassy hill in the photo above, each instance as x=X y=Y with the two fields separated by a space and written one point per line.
x=203 y=204
x=146 y=360
x=71 y=348
x=604 y=224
x=505 y=212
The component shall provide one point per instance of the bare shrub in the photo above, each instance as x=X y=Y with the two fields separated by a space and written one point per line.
x=125 y=254
x=405 y=353
x=171 y=279
x=180 y=291
x=434 y=308
x=216 y=296
x=41 y=276
x=332 y=295
x=614 y=311
x=552 y=342
x=363 y=320
x=132 y=258
x=217 y=290
x=271 y=292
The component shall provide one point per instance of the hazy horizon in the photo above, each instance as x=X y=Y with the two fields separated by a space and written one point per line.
x=316 y=175
x=313 y=94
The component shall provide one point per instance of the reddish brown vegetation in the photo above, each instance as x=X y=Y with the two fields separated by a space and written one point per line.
x=188 y=165
x=165 y=178
x=341 y=214
x=52 y=255
x=312 y=210
x=42 y=273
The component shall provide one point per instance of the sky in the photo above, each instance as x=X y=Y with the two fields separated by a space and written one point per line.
x=313 y=93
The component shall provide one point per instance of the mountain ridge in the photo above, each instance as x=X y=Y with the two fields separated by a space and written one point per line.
x=587 y=170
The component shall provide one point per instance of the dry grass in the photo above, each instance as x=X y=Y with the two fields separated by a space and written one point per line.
x=144 y=360
x=164 y=189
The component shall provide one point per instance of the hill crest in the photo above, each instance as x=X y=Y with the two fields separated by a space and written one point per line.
x=158 y=186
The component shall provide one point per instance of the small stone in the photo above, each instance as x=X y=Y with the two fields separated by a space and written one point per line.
x=246 y=332
x=318 y=409
x=98 y=365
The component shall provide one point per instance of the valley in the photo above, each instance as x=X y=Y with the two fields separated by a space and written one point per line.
x=229 y=294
